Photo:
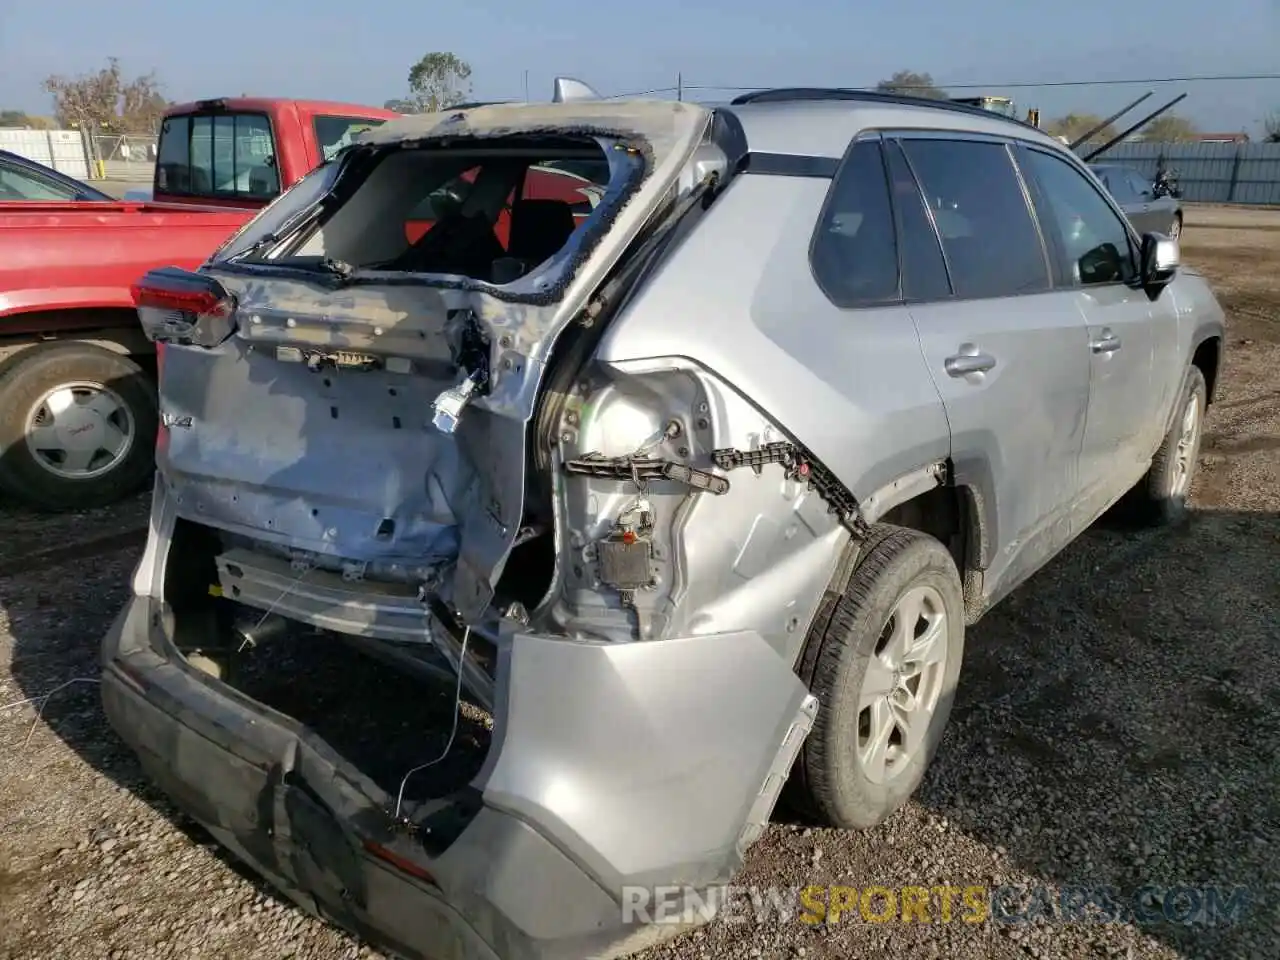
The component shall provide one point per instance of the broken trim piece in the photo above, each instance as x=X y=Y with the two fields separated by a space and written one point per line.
x=800 y=465
x=904 y=488
x=640 y=470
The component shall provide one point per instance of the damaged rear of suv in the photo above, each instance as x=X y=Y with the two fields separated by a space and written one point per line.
x=380 y=424
x=668 y=479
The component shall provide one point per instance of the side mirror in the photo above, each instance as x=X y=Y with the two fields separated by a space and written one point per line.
x=1160 y=260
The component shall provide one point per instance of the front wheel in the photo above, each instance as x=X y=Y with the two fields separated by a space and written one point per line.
x=77 y=427
x=883 y=660
x=1163 y=493
x=1175 y=228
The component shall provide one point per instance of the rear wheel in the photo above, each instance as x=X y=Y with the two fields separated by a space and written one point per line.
x=77 y=427
x=883 y=660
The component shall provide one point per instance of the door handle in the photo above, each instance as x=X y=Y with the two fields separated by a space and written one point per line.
x=968 y=360
x=1107 y=343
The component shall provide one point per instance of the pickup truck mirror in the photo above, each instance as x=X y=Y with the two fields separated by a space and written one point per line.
x=1160 y=260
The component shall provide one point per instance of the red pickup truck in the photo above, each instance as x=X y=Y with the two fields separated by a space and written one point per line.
x=77 y=398
x=78 y=415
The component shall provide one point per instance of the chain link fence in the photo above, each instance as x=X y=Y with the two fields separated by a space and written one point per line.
x=123 y=156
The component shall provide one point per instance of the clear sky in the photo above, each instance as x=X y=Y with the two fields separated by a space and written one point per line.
x=361 y=51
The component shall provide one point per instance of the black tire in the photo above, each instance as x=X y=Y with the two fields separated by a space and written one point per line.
x=1177 y=227
x=1161 y=497
x=829 y=782
x=25 y=378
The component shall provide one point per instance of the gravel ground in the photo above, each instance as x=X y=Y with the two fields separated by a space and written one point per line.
x=1117 y=726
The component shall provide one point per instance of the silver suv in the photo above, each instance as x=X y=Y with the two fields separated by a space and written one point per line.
x=687 y=439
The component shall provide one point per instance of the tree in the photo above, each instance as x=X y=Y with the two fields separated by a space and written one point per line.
x=105 y=101
x=1075 y=125
x=1169 y=129
x=912 y=84
x=13 y=118
x=1271 y=128
x=400 y=105
x=438 y=81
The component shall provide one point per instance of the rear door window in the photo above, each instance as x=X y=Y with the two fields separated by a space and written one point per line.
x=218 y=155
x=975 y=197
x=924 y=271
x=335 y=133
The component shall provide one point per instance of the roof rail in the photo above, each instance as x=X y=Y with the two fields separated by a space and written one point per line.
x=797 y=94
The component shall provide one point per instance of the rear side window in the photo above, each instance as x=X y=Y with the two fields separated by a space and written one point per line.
x=218 y=155
x=854 y=252
x=1092 y=239
x=335 y=133
x=991 y=242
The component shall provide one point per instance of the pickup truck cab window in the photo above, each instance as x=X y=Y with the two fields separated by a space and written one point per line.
x=1092 y=241
x=218 y=155
x=991 y=242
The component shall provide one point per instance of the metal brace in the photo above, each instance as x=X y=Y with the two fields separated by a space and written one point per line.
x=642 y=470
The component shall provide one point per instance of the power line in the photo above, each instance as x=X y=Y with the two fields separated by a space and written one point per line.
x=737 y=88
x=1030 y=83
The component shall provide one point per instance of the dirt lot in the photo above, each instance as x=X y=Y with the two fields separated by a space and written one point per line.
x=1118 y=726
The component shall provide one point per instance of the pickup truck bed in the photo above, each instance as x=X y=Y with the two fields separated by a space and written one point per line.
x=77 y=407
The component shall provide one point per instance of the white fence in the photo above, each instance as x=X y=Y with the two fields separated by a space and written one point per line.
x=63 y=150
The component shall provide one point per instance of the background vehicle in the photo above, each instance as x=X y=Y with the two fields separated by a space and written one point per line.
x=24 y=180
x=1137 y=196
x=793 y=416
x=77 y=406
x=242 y=151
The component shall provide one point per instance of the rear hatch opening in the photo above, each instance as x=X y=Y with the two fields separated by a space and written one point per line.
x=483 y=211
x=386 y=709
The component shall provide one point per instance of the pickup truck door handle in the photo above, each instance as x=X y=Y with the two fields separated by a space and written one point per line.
x=968 y=360
x=1107 y=343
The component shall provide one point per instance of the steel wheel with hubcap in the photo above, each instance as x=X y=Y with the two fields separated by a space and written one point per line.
x=1164 y=492
x=883 y=659
x=77 y=426
x=78 y=431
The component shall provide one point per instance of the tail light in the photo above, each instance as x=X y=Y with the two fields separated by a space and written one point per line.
x=178 y=306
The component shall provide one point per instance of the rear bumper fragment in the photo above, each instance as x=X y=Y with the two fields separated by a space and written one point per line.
x=612 y=766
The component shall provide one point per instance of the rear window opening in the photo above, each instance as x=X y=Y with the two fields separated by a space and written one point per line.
x=492 y=210
x=364 y=698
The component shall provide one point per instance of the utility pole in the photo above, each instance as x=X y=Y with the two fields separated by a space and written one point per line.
x=679 y=86
x=526 y=86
